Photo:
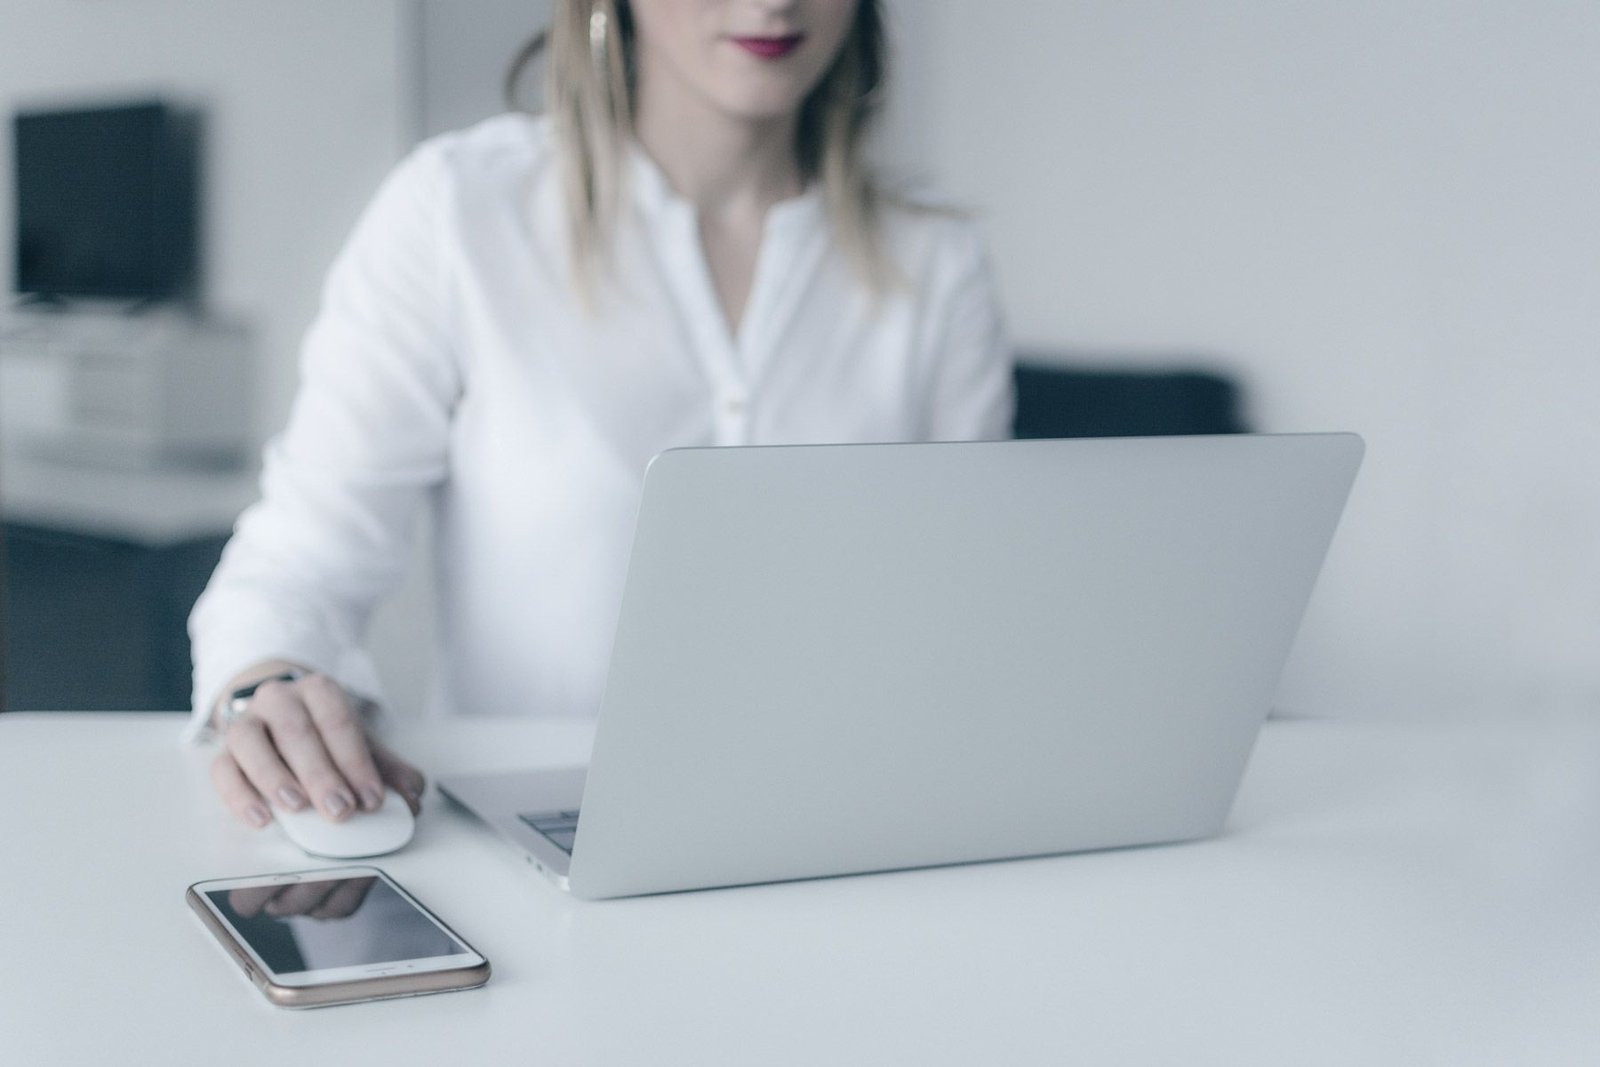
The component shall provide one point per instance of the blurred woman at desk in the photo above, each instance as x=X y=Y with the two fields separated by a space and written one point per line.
x=685 y=250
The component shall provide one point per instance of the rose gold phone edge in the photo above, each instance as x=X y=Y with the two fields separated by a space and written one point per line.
x=358 y=991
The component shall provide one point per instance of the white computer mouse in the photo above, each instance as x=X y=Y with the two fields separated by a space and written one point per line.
x=362 y=834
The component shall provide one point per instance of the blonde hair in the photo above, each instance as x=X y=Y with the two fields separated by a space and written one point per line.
x=589 y=96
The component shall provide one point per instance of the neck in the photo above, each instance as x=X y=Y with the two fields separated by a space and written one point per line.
x=720 y=163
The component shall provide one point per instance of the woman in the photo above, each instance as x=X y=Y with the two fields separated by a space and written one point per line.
x=684 y=251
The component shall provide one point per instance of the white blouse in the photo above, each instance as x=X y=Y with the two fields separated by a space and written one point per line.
x=452 y=372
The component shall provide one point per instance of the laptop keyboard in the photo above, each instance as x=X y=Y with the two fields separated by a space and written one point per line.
x=557 y=827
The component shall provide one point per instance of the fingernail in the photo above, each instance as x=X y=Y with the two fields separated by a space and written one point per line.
x=336 y=804
x=257 y=815
x=292 y=798
x=371 y=799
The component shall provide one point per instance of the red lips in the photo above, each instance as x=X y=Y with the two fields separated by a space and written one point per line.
x=769 y=47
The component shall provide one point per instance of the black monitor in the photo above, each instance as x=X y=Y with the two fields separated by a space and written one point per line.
x=107 y=202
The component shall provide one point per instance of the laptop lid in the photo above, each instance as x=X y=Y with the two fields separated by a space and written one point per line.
x=847 y=658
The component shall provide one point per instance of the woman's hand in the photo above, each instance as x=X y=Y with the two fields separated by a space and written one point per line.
x=303 y=742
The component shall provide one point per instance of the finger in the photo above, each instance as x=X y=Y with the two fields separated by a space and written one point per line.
x=251 y=746
x=406 y=779
x=299 y=743
x=344 y=900
x=236 y=791
x=344 y=737
x=247 y=903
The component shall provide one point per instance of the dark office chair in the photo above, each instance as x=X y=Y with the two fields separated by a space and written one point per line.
x=97 y=623
x=1058 y=398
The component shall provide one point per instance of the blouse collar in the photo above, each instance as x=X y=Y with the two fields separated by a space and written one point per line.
x=655 y=196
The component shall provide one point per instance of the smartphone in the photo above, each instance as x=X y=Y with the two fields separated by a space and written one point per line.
x=334 y=936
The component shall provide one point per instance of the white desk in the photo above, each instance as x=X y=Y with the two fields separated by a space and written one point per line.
x=1417 y=895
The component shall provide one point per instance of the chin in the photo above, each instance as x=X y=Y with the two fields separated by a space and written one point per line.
x=763 y=114
x=765 y=104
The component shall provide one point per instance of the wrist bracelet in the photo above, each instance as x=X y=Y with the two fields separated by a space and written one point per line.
x=238 y=701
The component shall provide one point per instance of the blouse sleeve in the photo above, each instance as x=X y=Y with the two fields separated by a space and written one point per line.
x=367 y=438
x=972 y=397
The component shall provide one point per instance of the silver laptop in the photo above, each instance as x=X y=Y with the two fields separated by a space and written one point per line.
x=848 y=658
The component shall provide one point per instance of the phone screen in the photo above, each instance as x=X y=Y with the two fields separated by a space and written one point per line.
x=314 y=925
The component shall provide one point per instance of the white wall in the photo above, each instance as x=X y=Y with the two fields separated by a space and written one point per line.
x=300 y=101
x=463 y=52
x=1387 y=217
